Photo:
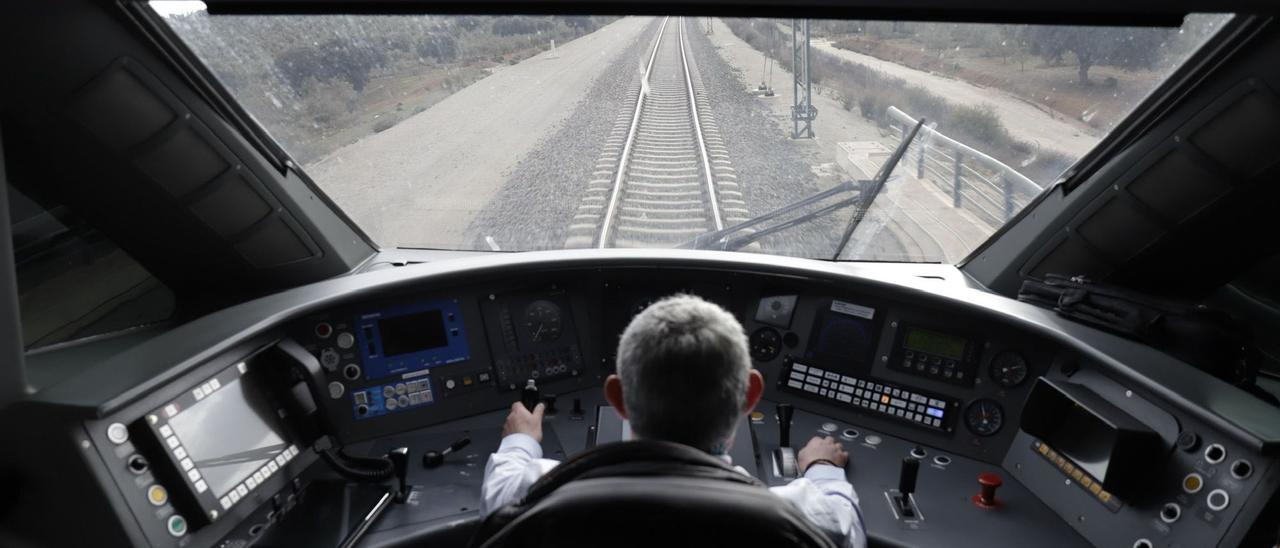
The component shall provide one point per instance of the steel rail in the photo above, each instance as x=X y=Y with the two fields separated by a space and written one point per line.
x=631 y=137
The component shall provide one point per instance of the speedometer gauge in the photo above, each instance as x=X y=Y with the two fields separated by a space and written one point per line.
x=765 y=344
x=984 y=417
x=1008 y=369
x=542 y=321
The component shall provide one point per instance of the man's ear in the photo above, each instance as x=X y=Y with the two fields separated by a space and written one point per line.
x=613 y=394
x=755 y=389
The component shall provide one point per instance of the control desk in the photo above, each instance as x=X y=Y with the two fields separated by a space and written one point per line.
x=1016 y=426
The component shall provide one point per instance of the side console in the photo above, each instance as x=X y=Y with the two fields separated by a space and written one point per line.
x=1125 y=469
x=205 y=455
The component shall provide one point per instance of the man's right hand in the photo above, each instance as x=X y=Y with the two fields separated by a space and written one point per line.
x=821 y=449
x=521 y=421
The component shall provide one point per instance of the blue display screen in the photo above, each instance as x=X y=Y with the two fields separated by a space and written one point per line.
x=409 y=338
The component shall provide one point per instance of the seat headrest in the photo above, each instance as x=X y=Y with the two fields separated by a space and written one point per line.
x=648 y=493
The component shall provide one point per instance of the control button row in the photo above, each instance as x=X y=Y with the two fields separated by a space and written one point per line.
x=896 y=402
x=259 y=477
x=206 y=389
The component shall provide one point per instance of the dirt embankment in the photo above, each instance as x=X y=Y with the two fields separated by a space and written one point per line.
x=1100 y=104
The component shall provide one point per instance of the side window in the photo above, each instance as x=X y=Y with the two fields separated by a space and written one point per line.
x=73 y=282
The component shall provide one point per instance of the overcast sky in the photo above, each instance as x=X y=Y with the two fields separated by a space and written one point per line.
x=175 y=7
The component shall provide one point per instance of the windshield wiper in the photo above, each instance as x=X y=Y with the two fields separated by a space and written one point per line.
x=719 y=239
x=881 y=177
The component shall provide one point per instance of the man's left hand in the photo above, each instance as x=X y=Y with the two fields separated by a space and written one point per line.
x=521 y=421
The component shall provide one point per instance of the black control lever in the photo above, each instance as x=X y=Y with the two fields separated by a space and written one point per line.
x=529 y=397
x=433 y=459
x=906 y=508
x=785 y=411
x=784 y=457
x=400 y=461
x=907 y=477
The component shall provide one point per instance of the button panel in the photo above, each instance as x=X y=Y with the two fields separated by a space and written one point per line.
x=258 y=478
x=376 y=401
x=513 y=369
x=1081 y=478
x=878 y=398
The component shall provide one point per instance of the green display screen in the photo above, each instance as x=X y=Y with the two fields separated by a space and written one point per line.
x=936 y=344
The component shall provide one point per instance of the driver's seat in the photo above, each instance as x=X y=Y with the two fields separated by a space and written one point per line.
x=648 y=493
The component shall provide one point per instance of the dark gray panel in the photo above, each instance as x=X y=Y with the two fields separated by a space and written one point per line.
x=1178 y=187
x=13 y=381
x=233 y=206
x=1071 y=256
x=1244 y=137
x=273 y=243
x=1120 y=230
x=119 y=109
x=182 y=161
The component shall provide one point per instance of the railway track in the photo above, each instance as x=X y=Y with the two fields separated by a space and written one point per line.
x=664 y=175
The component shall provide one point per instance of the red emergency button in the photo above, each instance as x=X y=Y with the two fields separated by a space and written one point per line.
x=986 y=498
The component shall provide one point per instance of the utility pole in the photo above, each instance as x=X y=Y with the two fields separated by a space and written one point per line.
x=802 y=111
x=710 y=29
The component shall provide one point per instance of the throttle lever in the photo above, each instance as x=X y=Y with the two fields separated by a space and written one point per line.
x=784 y=457
x=400 y=461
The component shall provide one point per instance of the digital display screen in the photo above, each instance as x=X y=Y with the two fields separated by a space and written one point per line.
x=842 y=339
x=228 y=435
x=412 y=333
x=1083 y=438
x=936 y=344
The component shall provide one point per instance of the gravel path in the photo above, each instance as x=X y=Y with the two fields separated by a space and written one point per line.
x=422 y=182
x=536 y=204
x=772 y=168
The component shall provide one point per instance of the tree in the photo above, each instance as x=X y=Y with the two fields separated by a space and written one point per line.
x=1128 y=48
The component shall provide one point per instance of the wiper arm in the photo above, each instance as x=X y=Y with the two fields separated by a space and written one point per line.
x=716 y=239
x=877 y=184
x=719 y=239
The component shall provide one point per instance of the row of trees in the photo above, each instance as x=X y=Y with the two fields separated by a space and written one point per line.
x=1130 y=48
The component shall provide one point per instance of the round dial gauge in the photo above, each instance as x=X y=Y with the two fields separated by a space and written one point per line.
x=766 y=343
x=984 y=417
x=1008 y=369
x=542 y=320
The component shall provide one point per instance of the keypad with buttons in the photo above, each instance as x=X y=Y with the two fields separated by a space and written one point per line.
x=871 y=396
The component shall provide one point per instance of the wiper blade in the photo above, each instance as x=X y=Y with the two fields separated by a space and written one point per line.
x=877 y=184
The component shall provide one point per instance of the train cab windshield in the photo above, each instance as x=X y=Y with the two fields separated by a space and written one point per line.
x=513 y=132
x=535 y=274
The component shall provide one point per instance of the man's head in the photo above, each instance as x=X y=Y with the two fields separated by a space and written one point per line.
x=684 y=374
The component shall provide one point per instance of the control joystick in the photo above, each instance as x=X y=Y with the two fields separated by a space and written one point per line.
x=784 y=457
x=529 y=396
x=986 y=498
x=433 y=459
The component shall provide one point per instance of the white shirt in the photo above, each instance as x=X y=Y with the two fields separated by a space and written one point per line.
x=823 y=495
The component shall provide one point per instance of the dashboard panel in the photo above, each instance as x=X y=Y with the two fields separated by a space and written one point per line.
x=966 y=382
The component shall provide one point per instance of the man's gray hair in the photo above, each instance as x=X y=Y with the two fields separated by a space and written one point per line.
x=683 y=363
